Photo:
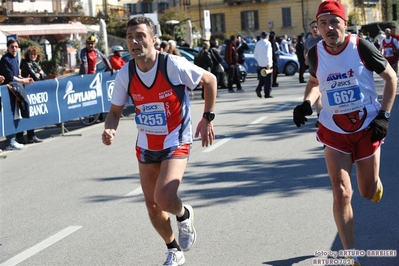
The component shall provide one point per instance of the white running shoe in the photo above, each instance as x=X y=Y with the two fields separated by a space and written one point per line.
x=175 y=257
x=187 y=233
x=14 y=145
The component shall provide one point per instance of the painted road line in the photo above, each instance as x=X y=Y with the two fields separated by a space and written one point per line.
x=217 y=145
x=41 y=246
x=282 y=107
x=257 y=121
x=136 y=192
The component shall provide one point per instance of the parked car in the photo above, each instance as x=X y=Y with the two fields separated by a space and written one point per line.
x=288 y=64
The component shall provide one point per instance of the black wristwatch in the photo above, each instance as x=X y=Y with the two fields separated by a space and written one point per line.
x=209 y=116
x=385 y=114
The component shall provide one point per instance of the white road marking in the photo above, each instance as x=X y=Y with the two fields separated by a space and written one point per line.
x=39 y=247
x=257 y=121
x=136 y=192
x=282 y=107
x=217 y=145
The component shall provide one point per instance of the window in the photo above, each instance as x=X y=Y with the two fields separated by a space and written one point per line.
x=146 y=7
x=132 y=8
x=286 y=15
x=217 y=23
x=162 y=6
x=249 y=20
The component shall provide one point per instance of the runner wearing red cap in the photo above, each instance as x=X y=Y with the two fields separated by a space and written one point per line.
x=353 y=123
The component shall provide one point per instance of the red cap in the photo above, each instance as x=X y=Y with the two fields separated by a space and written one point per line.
x=331 y=7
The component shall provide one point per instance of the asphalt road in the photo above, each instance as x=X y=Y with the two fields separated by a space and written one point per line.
x=261 y=193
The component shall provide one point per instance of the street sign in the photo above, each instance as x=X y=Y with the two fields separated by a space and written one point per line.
x=12 y=36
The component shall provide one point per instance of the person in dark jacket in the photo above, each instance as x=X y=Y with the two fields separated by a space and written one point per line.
x=242 y=46
x=205 y=59
x=300 y=48
x=217 y=59
x=30 y=64
x=9 y=69
x=231 y=57
x=276 y=57
x=30 y=68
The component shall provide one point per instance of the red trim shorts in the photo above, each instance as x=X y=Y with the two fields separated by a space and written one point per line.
x=358 y=144
x=175 y=152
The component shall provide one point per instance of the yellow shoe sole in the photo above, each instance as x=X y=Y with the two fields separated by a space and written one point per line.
x=377 y=197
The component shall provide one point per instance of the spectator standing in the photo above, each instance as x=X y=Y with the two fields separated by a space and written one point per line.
x=116 y=59
x=89 y=55
x=1 y=82
x=293 y=43
x=30 y=68
x=394 y=32
x=309 y=43
x=163 y=147
x=231 y=58
x=88 y=60
x=164 y=46
x=242 y=46
x=9 y=68
x=380 y=35
x=367 y=37
x=349 y=135
x=217 y=59
x=285 y=45
x=312 y=40
x=276 y=56
x=300 y=52
x=389 y=48
x=205 y=59
x=263 y=54
x=173 y=48
x=377 y=44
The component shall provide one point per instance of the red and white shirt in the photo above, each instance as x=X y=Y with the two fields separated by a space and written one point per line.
x=389 y=46
x=161 y=98
x=348 y=95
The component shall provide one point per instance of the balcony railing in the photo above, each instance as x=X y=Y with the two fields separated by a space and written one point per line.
x=10 y=13
x=241 y=2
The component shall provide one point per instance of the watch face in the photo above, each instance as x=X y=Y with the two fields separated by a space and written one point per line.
x=209 y=116
x=385 y=114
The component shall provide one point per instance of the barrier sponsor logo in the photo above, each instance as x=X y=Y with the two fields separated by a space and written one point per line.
x=77 y=99
x=38 y=103
x=110 y=89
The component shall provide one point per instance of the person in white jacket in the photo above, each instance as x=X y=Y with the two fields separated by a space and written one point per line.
x=264 y=57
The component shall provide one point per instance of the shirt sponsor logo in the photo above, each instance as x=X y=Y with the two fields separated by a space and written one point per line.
x=340 y=83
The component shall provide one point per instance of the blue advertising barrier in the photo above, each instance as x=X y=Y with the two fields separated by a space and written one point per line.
x=57 y=100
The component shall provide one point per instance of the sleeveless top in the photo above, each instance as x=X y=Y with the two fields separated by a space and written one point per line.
x=347 y=86
x=389 y=48
x=162 y=110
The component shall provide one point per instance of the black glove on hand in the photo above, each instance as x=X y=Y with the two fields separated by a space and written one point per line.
x=380 y=126
x=300 y=112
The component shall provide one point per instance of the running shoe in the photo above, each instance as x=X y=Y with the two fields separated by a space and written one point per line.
x=175 y=257
x=378 y=195
x=187 y=233
x=14 y=145
x=355 y=262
